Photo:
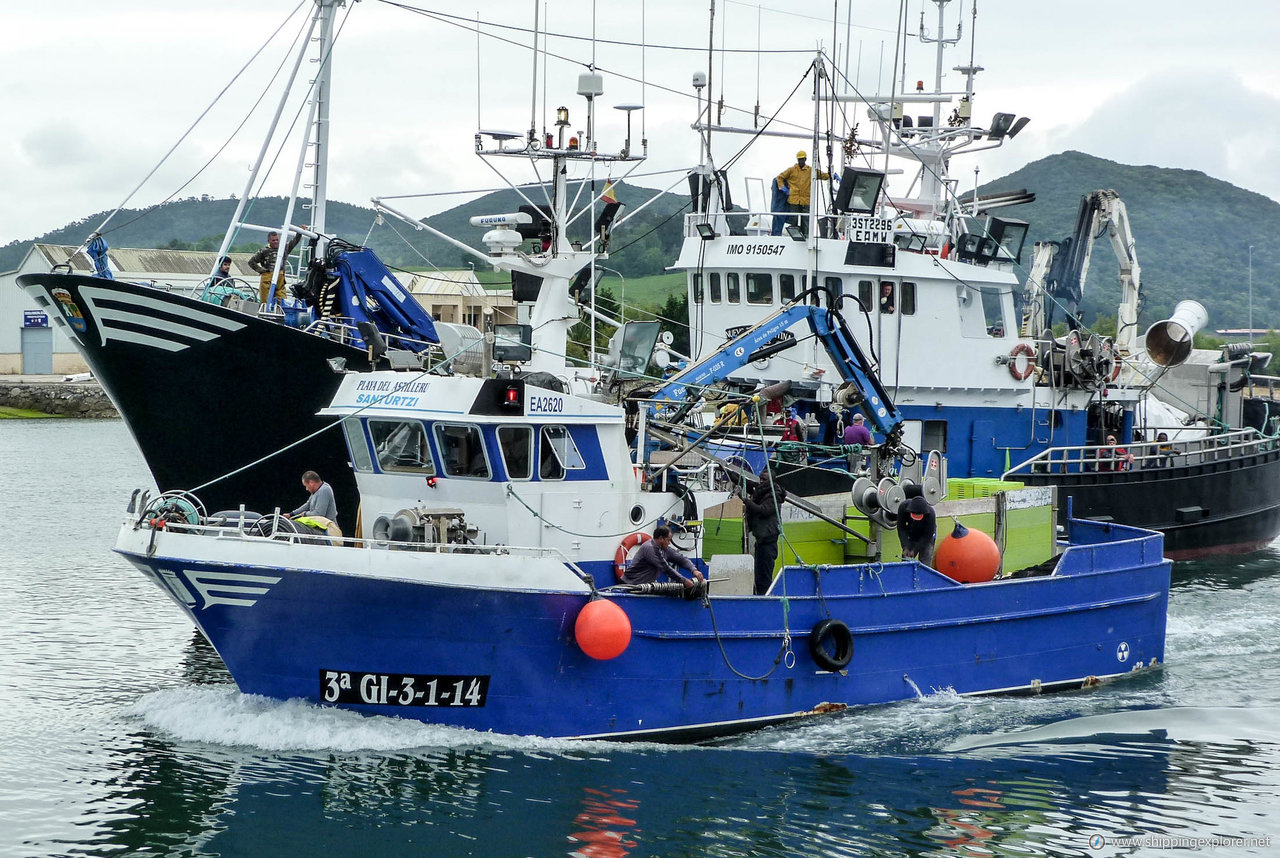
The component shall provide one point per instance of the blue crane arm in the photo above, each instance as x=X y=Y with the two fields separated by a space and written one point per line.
x=862 y=388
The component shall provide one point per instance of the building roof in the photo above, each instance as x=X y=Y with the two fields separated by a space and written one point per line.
x=135 y=261
x=129 y=263
x=460 y=284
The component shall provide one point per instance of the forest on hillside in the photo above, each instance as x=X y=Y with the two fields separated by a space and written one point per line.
x=644 y=247
x=1192 y=235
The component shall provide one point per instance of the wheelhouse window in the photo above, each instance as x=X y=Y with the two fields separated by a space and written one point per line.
x=713 y=287
x=358 y=445
x=907 y=294
x=759 y=288
x=993 y=312
x=888 y=299
x=516 y=444
x=732 y=288
x=557 y=454
x=787 y=286
x=401 y=445
x=462 y=450
x=866 y=288
x=697 y=288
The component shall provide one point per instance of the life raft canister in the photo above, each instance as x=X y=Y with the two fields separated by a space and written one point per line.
x=1022 y=350
x=624 y=550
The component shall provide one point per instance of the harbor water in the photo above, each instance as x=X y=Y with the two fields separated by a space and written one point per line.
x=122 y=734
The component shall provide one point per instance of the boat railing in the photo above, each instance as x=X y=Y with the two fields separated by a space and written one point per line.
x=246 y=529
x=1148 y=455
x=744 y=223
x=342 y=329
x=797 y=226
x=1261 y=386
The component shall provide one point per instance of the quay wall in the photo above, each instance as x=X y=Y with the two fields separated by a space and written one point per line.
x=68 y=399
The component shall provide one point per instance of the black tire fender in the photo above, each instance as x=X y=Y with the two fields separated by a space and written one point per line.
x=839 y=637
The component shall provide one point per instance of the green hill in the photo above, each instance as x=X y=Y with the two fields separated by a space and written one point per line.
x=1192 y=236
x=642 y=248
x=1192 y=232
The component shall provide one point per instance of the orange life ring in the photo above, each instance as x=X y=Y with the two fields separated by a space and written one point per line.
x=1030 y=353
x=624 y=549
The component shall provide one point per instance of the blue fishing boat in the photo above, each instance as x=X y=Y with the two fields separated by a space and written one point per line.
x=484 y=588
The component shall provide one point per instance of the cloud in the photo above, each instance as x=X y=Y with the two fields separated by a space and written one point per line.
x=61 y=146
x=1204 y=120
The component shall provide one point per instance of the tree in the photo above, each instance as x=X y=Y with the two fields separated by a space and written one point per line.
x=674 y=316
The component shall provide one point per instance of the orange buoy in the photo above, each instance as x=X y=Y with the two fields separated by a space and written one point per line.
x=602 y=629
x=967 y=556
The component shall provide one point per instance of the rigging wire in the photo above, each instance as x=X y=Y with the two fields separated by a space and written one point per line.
x=444 y=16
x=102 y=230
x=456 y=21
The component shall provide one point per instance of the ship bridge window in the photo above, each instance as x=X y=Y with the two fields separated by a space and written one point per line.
x=358 y=445
x=732 y=288
x=888 y=302
x=759 y=288
x=401 y=445
x=462 y=450
x=993 y=312
x=516 y=444
x=713 y=287
x=907 y=299
x=557 y=453
x=696 y=284
x=787 y=286
x=865 y=288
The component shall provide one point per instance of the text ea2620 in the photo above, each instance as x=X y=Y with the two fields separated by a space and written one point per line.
x=402 y=689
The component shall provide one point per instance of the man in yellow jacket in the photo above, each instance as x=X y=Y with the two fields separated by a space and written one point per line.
x=796 y=180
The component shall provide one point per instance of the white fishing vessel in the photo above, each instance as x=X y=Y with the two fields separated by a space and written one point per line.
x=931 y=288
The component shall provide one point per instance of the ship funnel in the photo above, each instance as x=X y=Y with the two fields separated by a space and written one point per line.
x=1169 y=342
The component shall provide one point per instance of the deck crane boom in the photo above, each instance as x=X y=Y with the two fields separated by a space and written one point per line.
x=862 y=388
x=1059 y=269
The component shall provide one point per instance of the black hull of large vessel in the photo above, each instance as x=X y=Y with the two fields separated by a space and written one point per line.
x=206 y=391
x=1229 y=506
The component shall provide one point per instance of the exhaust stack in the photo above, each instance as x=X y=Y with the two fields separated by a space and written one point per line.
x=1169 y=342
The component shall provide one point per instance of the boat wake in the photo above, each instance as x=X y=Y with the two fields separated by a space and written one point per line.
x=1198 y=724
x=222 y=715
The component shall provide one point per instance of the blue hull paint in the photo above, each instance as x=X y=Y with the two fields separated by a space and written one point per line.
x=986 y=442
x=1101 y=614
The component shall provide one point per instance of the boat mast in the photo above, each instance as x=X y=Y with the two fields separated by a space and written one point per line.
x=236 y=222
x=319 y=196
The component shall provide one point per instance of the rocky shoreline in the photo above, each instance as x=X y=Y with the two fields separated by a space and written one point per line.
x=65 y=399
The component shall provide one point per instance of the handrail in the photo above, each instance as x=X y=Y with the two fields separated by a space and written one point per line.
x=240 y=530
x=1146 y=454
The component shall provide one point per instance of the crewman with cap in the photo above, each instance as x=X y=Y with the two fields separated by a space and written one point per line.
x=857 y=432
x=917 y=529
x=796 y=179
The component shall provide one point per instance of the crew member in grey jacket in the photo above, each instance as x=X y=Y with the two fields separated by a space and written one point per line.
x=321 y=500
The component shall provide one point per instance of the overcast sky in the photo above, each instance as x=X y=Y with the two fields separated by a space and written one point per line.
x=93 y=94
